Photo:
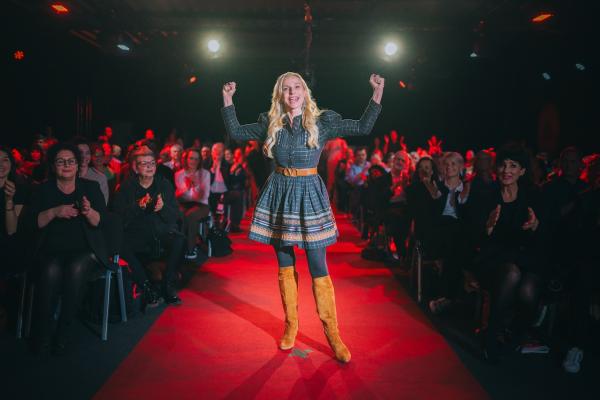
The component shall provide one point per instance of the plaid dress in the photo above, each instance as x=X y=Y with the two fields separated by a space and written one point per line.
x=295 y=210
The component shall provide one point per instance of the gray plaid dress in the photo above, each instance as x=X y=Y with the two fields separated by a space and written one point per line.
x=295 y=210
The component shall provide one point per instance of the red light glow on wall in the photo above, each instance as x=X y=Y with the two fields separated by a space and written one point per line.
x=59 y=8
x=541 y=17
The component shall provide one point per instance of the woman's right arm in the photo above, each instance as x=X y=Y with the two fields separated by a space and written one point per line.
x=236 y=131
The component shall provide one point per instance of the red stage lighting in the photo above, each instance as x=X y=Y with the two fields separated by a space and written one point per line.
x=193 y=79
x=402 y=84
x=541 y=17
x=19 y=55
x=59 y=8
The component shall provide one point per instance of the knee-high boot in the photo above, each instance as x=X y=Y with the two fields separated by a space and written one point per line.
x=288 y=288
x=325 y=300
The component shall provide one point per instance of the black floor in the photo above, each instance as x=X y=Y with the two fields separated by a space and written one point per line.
x=90 y=362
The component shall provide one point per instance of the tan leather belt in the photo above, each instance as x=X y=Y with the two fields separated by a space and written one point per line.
x=296 y=171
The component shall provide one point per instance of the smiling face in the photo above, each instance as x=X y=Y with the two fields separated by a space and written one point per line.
x=228 y=156
x=65 y=164
x=193 y=160
x=145 y=166
x=86 y=156
x=452 y=167
x=4 y=165
x=293 y=94
x=509 y=172
x=425 y=169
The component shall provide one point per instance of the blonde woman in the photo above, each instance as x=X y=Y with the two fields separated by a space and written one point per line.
x=293 y=207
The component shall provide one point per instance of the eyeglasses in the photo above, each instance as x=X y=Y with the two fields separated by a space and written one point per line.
x=146 y=164
x=61 y=162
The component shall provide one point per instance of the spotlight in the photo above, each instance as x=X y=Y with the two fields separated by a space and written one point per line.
x=59 y=8
x=473 y=55
x=390 y=48
x=402 y=84
x=546 y=76
x=193 y=79
x=213 y=45
x=580 y=67
x=123 y=47
x=19 y=55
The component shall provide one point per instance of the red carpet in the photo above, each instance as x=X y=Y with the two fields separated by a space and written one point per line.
x=222 y=342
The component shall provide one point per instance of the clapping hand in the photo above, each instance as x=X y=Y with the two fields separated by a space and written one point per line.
x=66 y=211
x=86 y=206
x=159 y=203
x=532 y=221
x=9 y=191
x=493 y=219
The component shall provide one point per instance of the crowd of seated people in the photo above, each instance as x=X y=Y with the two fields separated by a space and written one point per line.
x=59 y=200
x=517 y=226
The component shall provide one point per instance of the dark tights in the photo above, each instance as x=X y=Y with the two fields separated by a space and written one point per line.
x=317 y=265
x=510 y=288
x=65 y=275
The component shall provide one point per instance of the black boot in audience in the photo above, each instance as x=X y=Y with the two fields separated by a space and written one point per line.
x=170 y=294
x=151 y=297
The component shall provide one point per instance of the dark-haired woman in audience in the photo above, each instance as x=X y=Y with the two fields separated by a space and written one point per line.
x=192 y=188
x=12 y=200
x=510 y=263
x=68 y=212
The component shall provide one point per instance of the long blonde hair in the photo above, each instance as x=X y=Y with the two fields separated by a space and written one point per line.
x=310 y=113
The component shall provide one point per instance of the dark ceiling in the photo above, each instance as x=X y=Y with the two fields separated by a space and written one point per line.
x=336 y=41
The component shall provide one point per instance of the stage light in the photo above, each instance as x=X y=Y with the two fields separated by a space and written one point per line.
x=19 y=55
x=580 y=67
x=123 y=47
x=213 y=46
x=473 y=55
x=546 y=76
x=59 y=8
x=390 y=48
x=541 y=17
x=402 y=84
x=193 y=79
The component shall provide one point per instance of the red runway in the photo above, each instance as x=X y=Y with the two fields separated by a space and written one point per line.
x=222 y=342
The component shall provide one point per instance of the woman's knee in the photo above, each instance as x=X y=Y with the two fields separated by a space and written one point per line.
x=285 y=256
x=510 y=273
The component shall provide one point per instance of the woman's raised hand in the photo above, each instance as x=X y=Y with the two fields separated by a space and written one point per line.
x=377 y=83
x=228 y=92
x=493 y=219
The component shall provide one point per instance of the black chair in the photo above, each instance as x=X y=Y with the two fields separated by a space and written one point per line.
x=113 y=236
x=112 y=229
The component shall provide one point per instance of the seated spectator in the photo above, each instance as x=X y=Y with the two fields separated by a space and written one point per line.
x=356 y=176
x=219 y=177
x=510 y=264
x=99 y=164
x=445 y=239
x=175 y=157
x=237 y=187
x=398 y=218
x=87 y=172
x=150 y=214
x=584 y=292
x=12 y=199
x=206 y=158
x=192 y=188
x=67 y=212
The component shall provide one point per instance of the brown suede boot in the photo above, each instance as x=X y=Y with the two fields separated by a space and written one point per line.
x=288 y=287
x=325 y=300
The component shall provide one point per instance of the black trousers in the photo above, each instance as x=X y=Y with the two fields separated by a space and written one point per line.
x=66 y=275
x=144 y=244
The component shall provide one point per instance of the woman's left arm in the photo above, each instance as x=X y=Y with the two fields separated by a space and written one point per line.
x=92 y=203
x=335 y=126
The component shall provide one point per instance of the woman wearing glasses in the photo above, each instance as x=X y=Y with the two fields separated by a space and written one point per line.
x=67 y=212
x=293 y=207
